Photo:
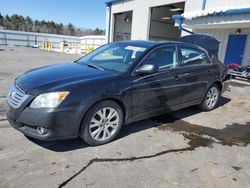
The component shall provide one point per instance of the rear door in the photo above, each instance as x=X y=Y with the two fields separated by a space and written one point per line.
x=196 y=71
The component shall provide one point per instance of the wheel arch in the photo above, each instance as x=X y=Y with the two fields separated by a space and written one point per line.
x=218 y=83
x=118 y=101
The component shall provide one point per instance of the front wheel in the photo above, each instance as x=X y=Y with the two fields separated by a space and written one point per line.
x=211 y=99
x=102 y=123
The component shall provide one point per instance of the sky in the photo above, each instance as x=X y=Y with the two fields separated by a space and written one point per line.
x=81 y=13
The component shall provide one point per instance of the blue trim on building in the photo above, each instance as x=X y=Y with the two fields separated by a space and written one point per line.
x=109 y=26
x=204 y=2
x=110 y=2
x=238 y=11
x=179 y=19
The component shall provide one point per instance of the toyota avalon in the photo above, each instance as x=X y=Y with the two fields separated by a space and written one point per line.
x=118 y=83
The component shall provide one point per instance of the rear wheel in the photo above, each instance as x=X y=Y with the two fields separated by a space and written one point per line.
x=211 y=99
x=102 y=123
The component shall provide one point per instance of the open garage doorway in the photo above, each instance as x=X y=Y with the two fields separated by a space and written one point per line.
x=162 y=26
x=123 y=26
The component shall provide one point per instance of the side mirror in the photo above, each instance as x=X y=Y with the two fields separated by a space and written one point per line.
x=147 y=69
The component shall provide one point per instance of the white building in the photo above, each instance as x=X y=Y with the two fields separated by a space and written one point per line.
x=228 y=20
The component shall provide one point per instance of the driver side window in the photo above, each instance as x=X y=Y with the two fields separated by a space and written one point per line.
x=163 y=57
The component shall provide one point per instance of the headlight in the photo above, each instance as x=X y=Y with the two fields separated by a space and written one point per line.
x=49 y=100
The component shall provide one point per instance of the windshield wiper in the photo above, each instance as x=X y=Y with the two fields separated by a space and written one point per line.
x=95 y=66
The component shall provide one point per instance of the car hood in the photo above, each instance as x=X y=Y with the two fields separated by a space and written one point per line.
x=46 y=78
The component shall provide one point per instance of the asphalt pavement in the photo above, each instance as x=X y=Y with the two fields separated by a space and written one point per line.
x=186 y=148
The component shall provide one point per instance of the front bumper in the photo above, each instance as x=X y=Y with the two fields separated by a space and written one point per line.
x=57 y=124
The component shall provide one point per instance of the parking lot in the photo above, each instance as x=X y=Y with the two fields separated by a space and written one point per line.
x=186 y=148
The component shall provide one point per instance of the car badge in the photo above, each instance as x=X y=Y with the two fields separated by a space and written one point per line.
x=12 y=94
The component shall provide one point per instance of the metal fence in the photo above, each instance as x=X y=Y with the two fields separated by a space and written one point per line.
x=60 y=43
x=20 y=38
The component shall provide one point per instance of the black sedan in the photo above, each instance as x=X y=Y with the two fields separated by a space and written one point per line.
x=116 y=84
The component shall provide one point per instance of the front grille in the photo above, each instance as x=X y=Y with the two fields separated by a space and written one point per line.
x=16 y=97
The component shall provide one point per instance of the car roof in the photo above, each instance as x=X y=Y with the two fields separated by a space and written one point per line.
x=148 y=44
x=140 y=43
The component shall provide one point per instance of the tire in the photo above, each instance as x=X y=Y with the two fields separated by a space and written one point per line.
x=211 y=98
x=98 y=127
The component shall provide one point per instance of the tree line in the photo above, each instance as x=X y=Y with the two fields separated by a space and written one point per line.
x=20 y=23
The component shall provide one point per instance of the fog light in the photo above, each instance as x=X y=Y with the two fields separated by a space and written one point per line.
x=41 y=130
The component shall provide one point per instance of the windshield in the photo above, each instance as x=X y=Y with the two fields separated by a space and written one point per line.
x=115 y=56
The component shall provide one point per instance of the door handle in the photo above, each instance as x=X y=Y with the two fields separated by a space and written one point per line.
x=209 y=72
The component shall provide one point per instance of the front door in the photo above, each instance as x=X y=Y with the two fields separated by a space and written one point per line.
x=159 y=91
x=235 y=49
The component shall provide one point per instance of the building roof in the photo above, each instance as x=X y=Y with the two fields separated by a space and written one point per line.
x=216 y=12
x=224 y=17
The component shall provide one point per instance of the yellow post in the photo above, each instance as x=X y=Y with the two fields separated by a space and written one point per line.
x=90 y=49
x=43 y=45
x=51 y=46
x=46 y=45
x=62 y=47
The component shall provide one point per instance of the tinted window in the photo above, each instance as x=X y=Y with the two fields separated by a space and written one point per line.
x=192 y=56
x=164 y=58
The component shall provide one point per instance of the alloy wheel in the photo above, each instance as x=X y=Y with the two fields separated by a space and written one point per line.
x=104 y=124
x=212 y=97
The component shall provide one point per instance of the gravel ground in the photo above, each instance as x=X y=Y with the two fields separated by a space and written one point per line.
x=186 y=148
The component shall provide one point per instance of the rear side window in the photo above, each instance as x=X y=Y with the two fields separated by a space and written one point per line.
x=192 y=56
